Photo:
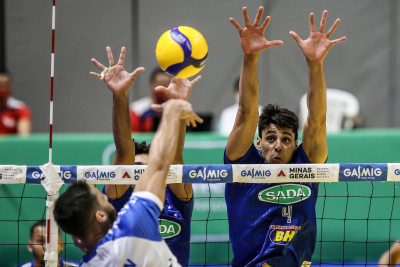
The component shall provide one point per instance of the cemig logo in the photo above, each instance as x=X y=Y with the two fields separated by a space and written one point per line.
x=99 y=175
x=207 y=174
x=168 y=229
x=281 y=173
x=282 y=235
x=285 y=194
x=298 y=173
x=126 y=175
x=137 y=173
x=256 y=174
x=364 y=173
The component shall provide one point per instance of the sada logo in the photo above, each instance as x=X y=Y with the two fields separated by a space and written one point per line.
x=207 y=173
x=255 y=173
x=282 y=235
x=168 y=229
x=356 y=172
x=285 y=194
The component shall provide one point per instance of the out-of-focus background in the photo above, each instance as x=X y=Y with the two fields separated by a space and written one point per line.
x=357 y=223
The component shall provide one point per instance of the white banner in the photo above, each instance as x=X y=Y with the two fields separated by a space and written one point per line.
x=11 y=174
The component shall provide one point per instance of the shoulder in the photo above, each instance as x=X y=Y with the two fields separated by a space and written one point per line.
x=140 y=106
x=26 y=264
x=252 y=156
x=300 y=156
x=15 y=103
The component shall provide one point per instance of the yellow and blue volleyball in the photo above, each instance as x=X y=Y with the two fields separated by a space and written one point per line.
x=181 y=52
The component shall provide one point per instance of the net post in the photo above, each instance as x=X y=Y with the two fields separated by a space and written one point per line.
x=51 y=253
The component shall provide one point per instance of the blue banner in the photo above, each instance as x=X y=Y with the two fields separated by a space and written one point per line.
x=207 y=174
x=34 y=174
x=363 y=172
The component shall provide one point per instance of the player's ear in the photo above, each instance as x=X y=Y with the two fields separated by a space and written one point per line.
x=296 y=143
x=101 y=216
x=258 y=143
x=30 y=246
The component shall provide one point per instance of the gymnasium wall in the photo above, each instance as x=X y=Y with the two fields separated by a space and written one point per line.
x=366 y=64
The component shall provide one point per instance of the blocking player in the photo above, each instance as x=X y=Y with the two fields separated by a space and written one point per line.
x=36 y=245
x=178 y=204
x=132 y=237
x=264 y=233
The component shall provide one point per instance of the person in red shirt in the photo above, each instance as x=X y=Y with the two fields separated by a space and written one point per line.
x=143 y=118
x=15 y=115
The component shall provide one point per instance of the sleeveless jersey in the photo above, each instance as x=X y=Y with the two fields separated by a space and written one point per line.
x=264 y=232
x=134 y=239
x=174 y=222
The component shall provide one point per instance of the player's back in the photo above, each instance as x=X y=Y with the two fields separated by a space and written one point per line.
x=134 y=239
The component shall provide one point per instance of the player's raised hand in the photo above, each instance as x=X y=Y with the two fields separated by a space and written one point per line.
x=179 y=88
x=252 y=37
x=116 y=77
x=186 y=111
x=316 y=47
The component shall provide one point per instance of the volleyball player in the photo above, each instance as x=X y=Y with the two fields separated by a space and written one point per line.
x=130 y=238
x=264 y=233
x=178 y=204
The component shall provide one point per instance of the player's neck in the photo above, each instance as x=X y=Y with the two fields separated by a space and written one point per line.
x=93 y=238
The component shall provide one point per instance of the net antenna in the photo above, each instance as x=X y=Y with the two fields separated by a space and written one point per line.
x=52 y=182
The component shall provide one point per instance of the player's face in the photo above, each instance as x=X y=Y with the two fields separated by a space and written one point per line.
x=277 y=144
x=161 y=79
x=141 y=159
x=104 y=204
x=5 y=85
x=37 y=244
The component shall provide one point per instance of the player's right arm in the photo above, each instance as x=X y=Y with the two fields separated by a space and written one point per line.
x=164 y=145
x=253 y=43
x=390 y=257
x=119 y=81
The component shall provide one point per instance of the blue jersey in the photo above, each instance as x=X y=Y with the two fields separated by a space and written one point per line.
x=134 y=239
x=63 y=263
x=174 y=222
x=265 y=232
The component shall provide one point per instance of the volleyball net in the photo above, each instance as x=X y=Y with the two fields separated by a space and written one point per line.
x=357 y=206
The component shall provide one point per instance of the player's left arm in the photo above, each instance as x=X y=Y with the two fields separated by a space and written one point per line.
x=315 y=49
x=390 y=257
x=180 y=89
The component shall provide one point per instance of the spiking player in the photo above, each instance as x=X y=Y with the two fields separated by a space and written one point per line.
x=132 y=237
x=178 y=204
x=263 y=233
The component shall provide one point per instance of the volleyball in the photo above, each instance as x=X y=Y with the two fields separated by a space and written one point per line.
x=181 y=51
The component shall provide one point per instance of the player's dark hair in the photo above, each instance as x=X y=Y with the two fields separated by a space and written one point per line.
x=154 y=73
x=281 y=117
x=236 y=85
x=41 y=223
x=141 y=148
x=74 y=209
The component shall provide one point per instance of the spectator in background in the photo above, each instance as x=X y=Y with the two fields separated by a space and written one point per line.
x=228 y=115
x=142 y=116
x=15 y=116
x=37 y=244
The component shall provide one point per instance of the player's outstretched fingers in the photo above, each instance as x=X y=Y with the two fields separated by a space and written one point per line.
x=110 y=56
x=323 y=21
x=296 y=37
x=236 y=25
x=122 y=56
x=275 y=43
x=333 y=42
x=95 y=74
x=312 y=25
x=246 y=17
x=265 y=23
x=258 y=17
x=333 y=28
x=162 y=89
x=98 y=64
x=136 y=72
x=198 y=78
x=156 y=107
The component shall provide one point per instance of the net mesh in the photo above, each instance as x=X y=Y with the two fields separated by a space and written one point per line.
x=356 y=223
